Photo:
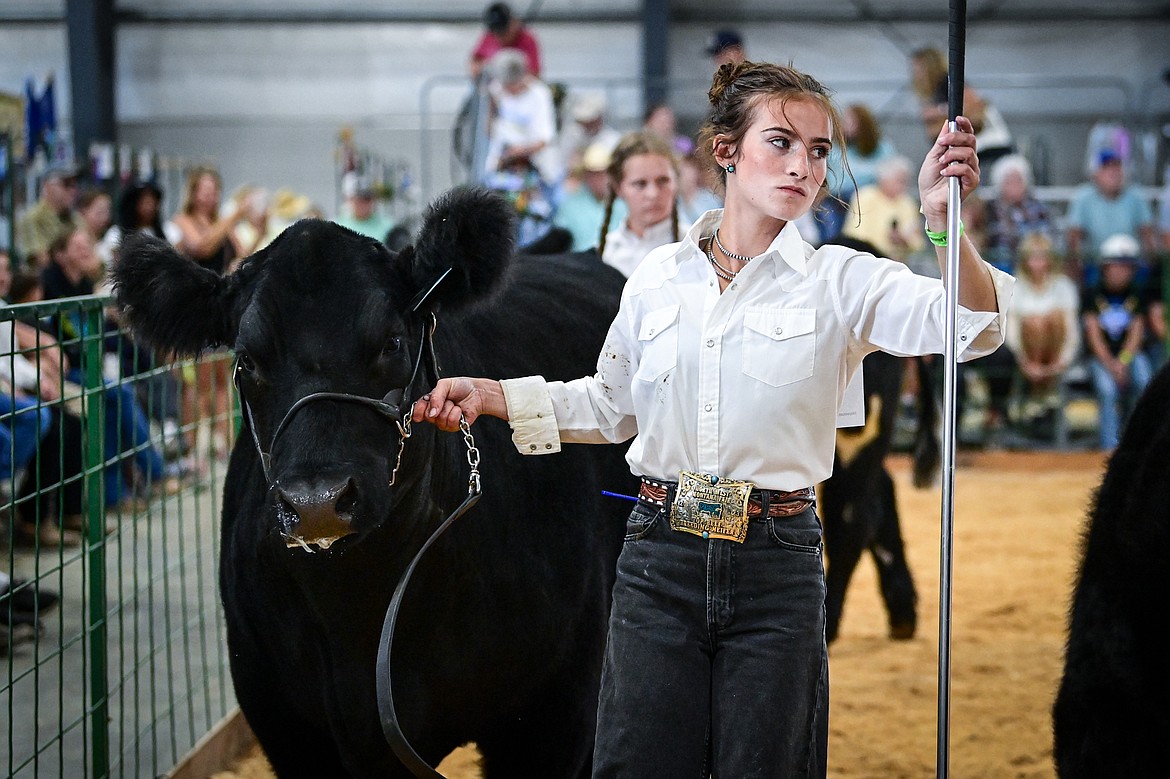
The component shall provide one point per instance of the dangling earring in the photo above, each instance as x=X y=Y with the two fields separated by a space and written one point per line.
x=731 y=169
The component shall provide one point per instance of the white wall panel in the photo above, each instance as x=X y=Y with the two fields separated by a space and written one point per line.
x=265 y=101
x=34 y=50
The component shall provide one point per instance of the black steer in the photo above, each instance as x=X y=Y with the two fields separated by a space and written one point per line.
x=1112 y=712
x=502 y=631
x=858 y=506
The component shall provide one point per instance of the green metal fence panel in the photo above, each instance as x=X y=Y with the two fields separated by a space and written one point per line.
x=111 y=465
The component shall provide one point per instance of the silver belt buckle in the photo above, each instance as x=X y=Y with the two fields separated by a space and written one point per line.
x=711 y=507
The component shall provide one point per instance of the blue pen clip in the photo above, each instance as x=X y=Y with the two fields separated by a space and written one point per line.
x=619 y=495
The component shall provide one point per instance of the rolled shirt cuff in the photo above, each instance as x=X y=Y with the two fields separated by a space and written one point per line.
x=980 y=333
x=531 y=416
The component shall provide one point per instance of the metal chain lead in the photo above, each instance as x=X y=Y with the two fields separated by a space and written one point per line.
x=472 y=455
x=404 y=429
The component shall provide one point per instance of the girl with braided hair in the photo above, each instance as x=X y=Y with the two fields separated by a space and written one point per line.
x=643 y=172
x=727 y=364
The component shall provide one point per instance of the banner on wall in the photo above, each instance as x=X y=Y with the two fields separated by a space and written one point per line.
x=12 y=122
x=40 y=119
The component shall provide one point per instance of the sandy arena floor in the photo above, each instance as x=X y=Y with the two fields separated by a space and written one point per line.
x=1018 y=520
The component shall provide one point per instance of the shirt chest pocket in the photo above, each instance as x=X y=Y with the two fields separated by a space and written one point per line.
x=779 y=344
x=658 y=338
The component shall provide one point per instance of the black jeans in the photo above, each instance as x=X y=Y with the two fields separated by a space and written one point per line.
x=716 y=663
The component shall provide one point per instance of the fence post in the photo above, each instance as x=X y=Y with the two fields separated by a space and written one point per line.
x=95 y=541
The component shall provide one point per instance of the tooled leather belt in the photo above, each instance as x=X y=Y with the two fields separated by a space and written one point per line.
x=779 y=503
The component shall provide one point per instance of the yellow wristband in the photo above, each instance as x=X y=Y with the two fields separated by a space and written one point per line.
x=1125 y=357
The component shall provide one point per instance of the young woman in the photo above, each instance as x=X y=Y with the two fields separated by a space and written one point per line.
x=727 y=362
x=95 y=208
x=1043 y=331
x=209 y=239
x=643 y=172
x=928 y=77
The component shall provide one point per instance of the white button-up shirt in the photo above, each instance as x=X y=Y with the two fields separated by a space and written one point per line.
x=745 y=384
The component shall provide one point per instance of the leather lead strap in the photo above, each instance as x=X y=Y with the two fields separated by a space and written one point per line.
x=389 y=715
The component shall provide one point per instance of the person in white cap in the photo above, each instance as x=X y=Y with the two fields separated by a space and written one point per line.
x=1112 y=312
x=582 y=211
x=588 y=128
x=52 y=216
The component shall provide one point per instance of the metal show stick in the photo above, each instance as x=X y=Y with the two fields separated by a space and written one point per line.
x=957 y=38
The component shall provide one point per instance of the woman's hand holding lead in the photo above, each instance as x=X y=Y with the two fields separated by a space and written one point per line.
x=459 y=397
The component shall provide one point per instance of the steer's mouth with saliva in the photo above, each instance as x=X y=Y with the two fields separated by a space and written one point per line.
x=313 y=519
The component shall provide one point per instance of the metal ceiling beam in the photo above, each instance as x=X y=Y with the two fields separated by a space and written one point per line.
x=90 y=25
x=865 y=12
x=655 y=52
x=992 y=11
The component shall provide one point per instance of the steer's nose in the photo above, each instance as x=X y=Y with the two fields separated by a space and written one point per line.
x=315 y=512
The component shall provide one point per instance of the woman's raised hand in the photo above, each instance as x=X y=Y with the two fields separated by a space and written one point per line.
x=953 y=154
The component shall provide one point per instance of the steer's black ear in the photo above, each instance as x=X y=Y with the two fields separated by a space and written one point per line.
x=169 y=301
x=463 y=248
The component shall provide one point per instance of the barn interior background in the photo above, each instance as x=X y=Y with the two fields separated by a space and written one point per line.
x=264 y=89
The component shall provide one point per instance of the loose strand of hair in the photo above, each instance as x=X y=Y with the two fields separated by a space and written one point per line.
x=605 y=223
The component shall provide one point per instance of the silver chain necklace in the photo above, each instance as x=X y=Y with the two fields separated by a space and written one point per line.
x=730 y=254
x=720 y=271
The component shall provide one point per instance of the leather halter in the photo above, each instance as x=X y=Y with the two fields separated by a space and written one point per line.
x=390 y=406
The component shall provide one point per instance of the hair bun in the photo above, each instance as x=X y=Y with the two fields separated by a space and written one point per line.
x=723 y=80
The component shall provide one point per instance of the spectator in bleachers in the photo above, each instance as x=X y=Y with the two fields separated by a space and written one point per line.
x=696 y=196
x=523 y=160
x=287 y=208
x=22 y=423
x=582 y=211
x=96 y=210
x=928 y=77
x=361 y=212
x=1043 y=330
x=1102 y=208
x=1113 y=312
x=208 y=237
x=587 y=128
x=127 y=427
x=888 y=214
x=51 y=216
x=1012 y=213
x=256 y=230
x=504 y=31
x=643 y=172
x=725 y=46
x=524 y=131
x=661 y=120
x=140 y=210
x=867 y=149
x=44 y=432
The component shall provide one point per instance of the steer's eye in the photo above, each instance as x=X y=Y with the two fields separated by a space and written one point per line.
x=392 y=346
x=245 y=363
